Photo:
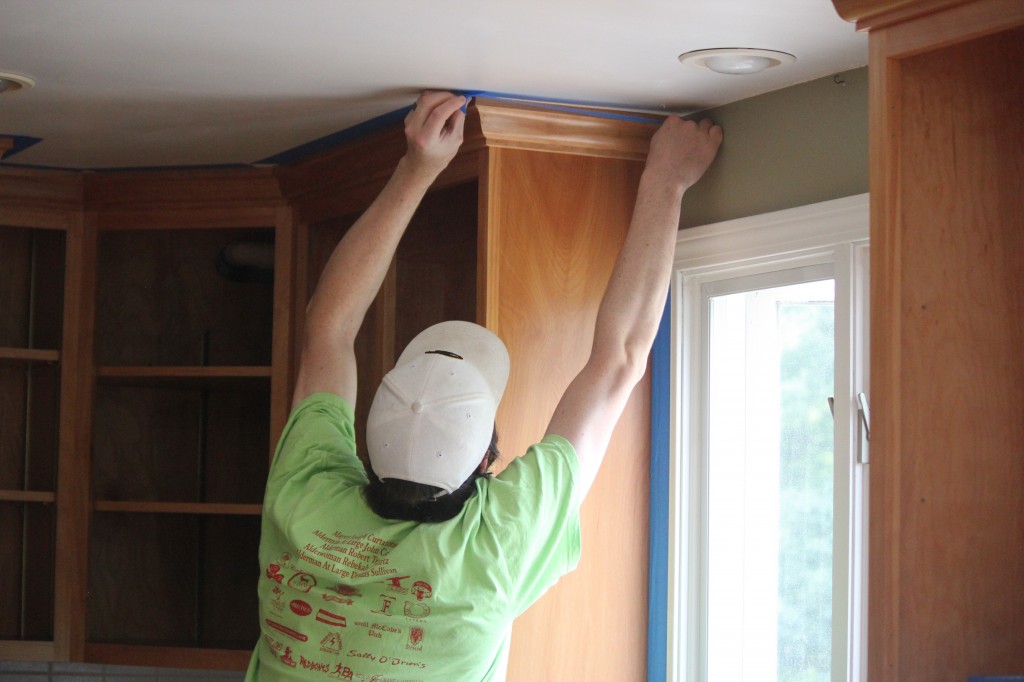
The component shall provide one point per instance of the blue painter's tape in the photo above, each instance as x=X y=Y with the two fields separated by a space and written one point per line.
x=657 y=591
x=303 y=151
x=597 y=114
x=326 y=142
x=21 y=143
x=566 y=105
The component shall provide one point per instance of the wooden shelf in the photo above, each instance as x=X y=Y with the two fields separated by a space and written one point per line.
x=28 y=355
x=184 y=375
x=168 y=656
x=144 y=507
x=27 y=496
x=27 y=650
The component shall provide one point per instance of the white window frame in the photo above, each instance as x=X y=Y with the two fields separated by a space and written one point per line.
x=829 y=233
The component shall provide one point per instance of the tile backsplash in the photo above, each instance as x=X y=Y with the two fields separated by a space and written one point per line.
x=40 y=671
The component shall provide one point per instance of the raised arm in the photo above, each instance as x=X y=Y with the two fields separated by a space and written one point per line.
x=357 y=268
x=628 y=317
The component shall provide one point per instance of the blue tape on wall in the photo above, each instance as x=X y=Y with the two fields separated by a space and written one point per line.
x=657 y=589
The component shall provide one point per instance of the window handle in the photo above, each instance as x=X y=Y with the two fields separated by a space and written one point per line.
x=864 y=421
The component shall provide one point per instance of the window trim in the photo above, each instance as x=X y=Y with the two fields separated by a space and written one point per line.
x=834 y=232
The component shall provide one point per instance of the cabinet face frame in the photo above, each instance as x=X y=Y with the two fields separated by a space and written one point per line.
x=52 y=201
x=222 y=203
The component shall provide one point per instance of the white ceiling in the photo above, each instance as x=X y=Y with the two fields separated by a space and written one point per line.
x=156 y=83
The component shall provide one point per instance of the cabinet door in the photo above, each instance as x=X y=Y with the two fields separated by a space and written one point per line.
x=947 y=472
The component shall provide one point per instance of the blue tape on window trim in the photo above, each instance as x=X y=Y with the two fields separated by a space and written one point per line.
x=657 y=589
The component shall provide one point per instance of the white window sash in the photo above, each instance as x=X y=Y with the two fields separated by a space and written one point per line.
x=829 y=233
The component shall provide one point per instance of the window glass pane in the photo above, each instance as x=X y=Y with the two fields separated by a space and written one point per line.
x=770 y=441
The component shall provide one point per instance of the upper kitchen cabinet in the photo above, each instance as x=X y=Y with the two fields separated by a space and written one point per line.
x=41 y=268
x=947 y=371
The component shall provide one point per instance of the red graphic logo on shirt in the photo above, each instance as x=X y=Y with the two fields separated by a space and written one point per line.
x=415 y=639
x=385 y=606
x=303 y=582
x=274 y=572
x=330 y=618
x=287 y=658
x=342 y=672
x=284 y=629
x=416 y=610
x=331 y=643
x=422 y=590
x=300 y=607
x=396 y=583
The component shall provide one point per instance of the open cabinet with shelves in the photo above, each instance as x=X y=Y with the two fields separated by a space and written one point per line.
x=31 y=301
x=181 y=434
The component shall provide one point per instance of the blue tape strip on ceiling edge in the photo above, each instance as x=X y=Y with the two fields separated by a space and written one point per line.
x=21 y=143
x=566 y=105
x=326 y=142
x=308 y=149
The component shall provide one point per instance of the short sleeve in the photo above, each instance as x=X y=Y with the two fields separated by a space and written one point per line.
x=319 y=437
x=533 y=506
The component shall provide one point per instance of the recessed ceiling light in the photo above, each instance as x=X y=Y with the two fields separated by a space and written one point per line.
x=736 y=61
x=12 y=82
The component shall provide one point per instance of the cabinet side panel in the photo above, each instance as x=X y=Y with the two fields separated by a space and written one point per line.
x=961 y=460
x=555 y=224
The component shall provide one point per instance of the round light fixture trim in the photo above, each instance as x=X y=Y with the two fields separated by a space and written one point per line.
x=736 y=61
x=12 y=82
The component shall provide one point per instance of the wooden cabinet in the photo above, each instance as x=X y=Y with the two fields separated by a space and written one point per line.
x=180 y=379
x=41 y=262
x=31 y=293
x=946 y=578
x=185 y=405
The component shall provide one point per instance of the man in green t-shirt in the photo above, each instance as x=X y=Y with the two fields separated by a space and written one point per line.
x=415 y=567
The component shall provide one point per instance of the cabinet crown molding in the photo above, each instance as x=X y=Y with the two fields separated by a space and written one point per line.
x=872 y=14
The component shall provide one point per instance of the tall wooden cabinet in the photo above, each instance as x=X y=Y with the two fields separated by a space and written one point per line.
x=946 y=578
x=174 y=380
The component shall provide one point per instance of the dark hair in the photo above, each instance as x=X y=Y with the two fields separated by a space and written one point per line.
x=394 y=498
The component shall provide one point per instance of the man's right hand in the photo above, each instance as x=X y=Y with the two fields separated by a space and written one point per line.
x=433 y=131
x=682 y=150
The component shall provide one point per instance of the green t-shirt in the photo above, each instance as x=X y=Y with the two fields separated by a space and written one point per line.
x=345 y=594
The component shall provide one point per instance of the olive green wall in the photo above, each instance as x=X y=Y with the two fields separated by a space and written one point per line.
x=791 y=147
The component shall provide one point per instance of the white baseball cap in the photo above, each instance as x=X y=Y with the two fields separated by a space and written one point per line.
x=432 y=418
